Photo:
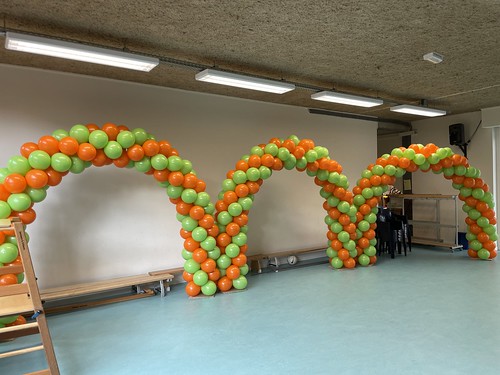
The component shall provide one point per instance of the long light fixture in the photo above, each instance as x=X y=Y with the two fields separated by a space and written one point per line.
x=80 y=52
x=416 y=110
x=246 y=82
x=341 y=98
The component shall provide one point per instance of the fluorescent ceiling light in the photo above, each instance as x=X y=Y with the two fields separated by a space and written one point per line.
x=337 y=97
x=80 y=52
x=237 y=80
x=416 y=110
x=433 y=57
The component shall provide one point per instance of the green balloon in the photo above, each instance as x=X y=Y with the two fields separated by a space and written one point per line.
x=39 y=159
x=344 y=207
x=214 y=254
x=460 y=170
x=370 y=250
x=378 y=170
x=143 y=165
x=483 y=254
x=359 y=200
x=244 y=269
x=5 y=210
x=433 y=159
x=8 y=252
x=256 y=150
x=466 y=192
x=140 y=135
x=210 y=208
x=475 y=245
x=199 y=234
x=364 y=260
x=36 y=195
x=239 y=177
x=228 y=185
x=328 y=220
x=363 y=225
x=80 y=133
x=371 y=217
x=390 y=170
x=490 y=229
x=232 y=250
x=343 y=236
x=8 y=319
x=240 y=283
x=235 y=209
x=189 y=195
x=209 y=288
x=98 y=138
x=208 y=243
x=337 y=263
x=191 y=266
x=441 y=153
x=19 y=164
x=283 y=154
x=466 y=207
x=223 y=262
x=325 y=194
x=126 y=139
x=400 y=172
x=419 y=159
x=113 y=150
x=253 y=174
x=470 y=236
x=366 y=174
x=265 y=172
x=240 y=239
x=60 y=162
x=200 y=277
x=186 y=255
x=478 y=193
x=311 y=173
x=474 y=214
x=246 y=203
x=77 y=165
x=311 y=156
x=189 y=224
x=290 y=163
x=187 y=167
x=271 y=148
x=202 y=199
x=159 y=162
x=336 y=227
x=378 y=191
x=350 y=245
x=60 y=134
x=367 y=193
x=333 y=201
x=175 y=163
x=301 y=163
x=483 y=222
x=19 y=202
x=224 y=218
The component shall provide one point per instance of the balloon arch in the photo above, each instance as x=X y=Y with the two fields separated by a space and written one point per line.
x=215 y=235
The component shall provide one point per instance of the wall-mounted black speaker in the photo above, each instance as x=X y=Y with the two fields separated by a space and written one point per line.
x=457 y=135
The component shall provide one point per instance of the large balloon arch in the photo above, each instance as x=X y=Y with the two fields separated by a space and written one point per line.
x=215 y=235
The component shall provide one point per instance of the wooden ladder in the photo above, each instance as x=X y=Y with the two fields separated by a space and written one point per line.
x=24 y=299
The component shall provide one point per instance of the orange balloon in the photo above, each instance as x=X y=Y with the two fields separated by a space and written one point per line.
x=190 y=181
x=208 y=265
x=92 y=127
x=241 y=219
x=55 y=177
x=197 y=212
x=15 y=183
x=69 y=146
x=254 y=161
x=267 y=160
x=253 y=187
x=241 y=190
x=111 y=130
x=184 y=233
x=192 y=289
x=299 y=152
x=232 y=229
x=86 y=152
x=20 y=320
x=349 y=263
x=187 y=276
x=365 y=209
x=289 y=144
x=122 y=161
x=190 y=244
x=230 y=197
x=200 y=186
x=336 y=245
x=48 y=144
x=240 y=260
x=27 y=148
x=183 y=208
x=233 y=272
x=343 y=254
x=101 y=159
x=27 y=216
x=207 y=221
x=214 y=276
x=36 y=178
x=200 y=255
x=277 y=165
x=224 y=284
x=8 y=279
x=135 y=153
x=223 y=239
x=165 y=148
x=176 y=178
x=151 y=147
x=472 y=253
x=344 y=219
x=213 y=231
x=241 y=165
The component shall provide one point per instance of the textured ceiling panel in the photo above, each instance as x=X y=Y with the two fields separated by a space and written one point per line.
x=370 y=48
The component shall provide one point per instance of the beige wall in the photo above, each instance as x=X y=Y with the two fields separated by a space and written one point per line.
x=109 y=222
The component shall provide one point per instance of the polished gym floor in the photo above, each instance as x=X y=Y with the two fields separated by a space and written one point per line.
x=432 y=312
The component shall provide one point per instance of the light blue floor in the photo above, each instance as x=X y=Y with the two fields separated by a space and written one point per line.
x=433 y=312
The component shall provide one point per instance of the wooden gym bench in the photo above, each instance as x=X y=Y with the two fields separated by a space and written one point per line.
x=77 y=290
